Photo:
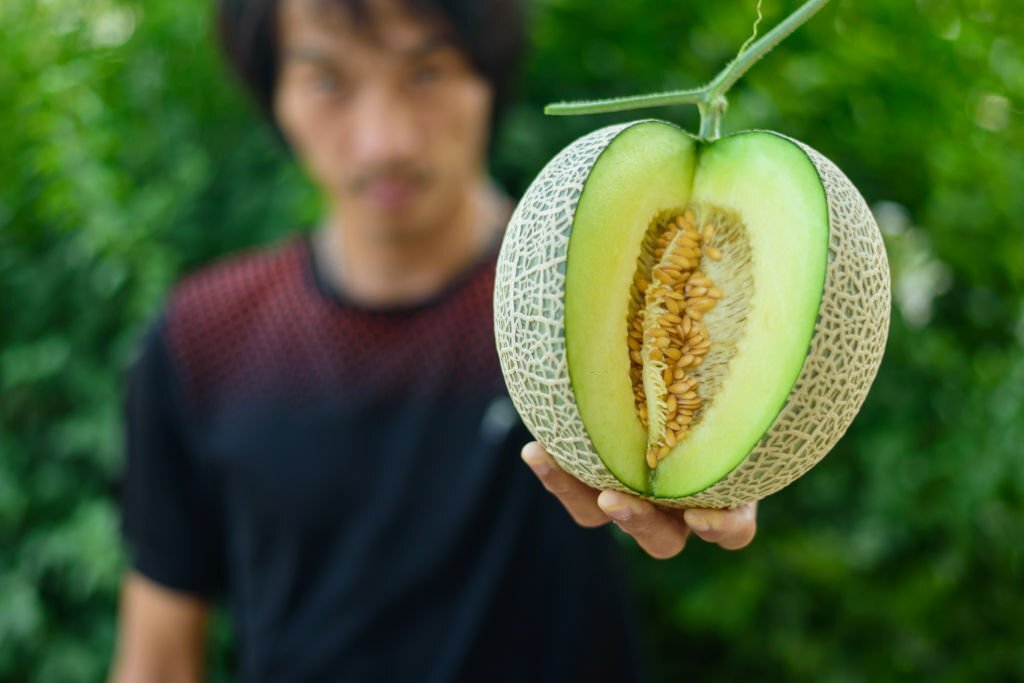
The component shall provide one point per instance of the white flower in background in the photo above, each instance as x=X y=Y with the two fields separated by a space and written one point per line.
x=918 y=276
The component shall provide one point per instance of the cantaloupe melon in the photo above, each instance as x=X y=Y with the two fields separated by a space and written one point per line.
x=695 y=322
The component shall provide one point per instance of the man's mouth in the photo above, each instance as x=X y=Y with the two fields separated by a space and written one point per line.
x=390 y=194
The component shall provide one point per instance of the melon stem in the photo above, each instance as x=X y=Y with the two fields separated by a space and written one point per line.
x=711 y=117
x=710 y=99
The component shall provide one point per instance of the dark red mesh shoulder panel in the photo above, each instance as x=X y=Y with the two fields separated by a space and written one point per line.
x=259 y=327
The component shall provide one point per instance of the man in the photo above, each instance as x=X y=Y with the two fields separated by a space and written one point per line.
x=318 y=430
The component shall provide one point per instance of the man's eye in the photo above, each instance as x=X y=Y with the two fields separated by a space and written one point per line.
x=326 y=83
x=426 y=74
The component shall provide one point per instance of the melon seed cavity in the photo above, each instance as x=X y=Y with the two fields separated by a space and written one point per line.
x=667 y=337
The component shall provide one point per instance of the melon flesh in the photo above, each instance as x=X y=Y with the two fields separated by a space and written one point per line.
x=804 y=330
x=645 y=171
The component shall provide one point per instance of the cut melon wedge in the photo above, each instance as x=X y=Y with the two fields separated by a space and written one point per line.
x=796 y=336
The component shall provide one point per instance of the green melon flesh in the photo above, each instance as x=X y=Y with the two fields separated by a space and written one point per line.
x=647 y=170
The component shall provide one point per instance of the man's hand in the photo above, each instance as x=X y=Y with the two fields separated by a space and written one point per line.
x=659 y=531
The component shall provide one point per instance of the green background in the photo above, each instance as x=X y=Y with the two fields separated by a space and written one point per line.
x=127 y=156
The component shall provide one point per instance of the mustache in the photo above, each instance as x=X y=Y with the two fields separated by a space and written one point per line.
x=404 y=172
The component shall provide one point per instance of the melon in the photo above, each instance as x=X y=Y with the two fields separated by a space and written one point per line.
x=689 y=320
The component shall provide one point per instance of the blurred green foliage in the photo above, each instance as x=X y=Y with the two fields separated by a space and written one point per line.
x=128 y=155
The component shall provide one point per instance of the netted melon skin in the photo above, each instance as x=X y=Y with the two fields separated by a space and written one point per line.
x=841 y=363
x=529 y=309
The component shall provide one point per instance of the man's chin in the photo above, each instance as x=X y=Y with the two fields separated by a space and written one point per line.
x=400 y=219
x=398 y=226
x=400 y=235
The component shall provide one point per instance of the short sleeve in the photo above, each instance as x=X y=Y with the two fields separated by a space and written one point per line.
x=170 y=509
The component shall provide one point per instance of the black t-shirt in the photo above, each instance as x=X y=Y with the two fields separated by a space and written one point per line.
x=349 y=480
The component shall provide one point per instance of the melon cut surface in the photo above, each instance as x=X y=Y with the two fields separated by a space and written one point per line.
x=644 y=171
x=796 y=337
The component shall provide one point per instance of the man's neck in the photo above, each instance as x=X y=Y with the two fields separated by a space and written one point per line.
x=386 y=273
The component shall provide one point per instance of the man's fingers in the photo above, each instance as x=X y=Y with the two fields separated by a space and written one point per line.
x=578 y=498
x=657 y=532
x=731 y=529
x=662 y=534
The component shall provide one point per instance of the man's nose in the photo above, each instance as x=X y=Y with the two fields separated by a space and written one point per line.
x=384 y=129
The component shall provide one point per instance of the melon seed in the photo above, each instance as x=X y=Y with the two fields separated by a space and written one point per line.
x=668 y=298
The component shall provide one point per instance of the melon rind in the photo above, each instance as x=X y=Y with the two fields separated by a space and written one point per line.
x=846 y=351
x=841 y=363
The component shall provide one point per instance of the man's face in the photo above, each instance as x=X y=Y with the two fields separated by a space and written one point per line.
x=388 y=116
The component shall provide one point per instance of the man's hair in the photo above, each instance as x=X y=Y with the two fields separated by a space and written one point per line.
x=490 y=33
